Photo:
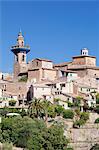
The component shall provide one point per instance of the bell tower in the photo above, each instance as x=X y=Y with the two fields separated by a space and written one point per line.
x=84 y=52
x=20 y=51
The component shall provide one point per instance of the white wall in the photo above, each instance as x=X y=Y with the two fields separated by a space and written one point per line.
x=40 y=91
x=72 y=76
x=48 y=65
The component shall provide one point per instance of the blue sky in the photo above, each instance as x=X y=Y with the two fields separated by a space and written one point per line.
x=56 y=30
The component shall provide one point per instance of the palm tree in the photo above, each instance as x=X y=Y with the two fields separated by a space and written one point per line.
x=36 y=108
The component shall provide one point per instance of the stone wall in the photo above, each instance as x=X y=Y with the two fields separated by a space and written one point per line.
x=85 y=137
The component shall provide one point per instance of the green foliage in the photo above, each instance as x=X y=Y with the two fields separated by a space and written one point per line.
x=69 y=148
x=36 y=109
x=95 y=147
x=96 y=109
x=77 y=111
x=4 y=111
x=51 y=111
x=78 y=123
x=97 y=96
x=70 y=104
x=68 y=114
x=78 y=101
x=57 y=99
x=12 y=102
x=84 y=116
x=97 y=101
x=32 y=134
x=59 y=110
x=97 y=120
x=23 y=79
x=23 y=112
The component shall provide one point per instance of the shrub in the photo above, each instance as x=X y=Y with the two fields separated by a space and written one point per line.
x=12 y=102
x=68 y=114
x=23 y=79
x=78 y=123
x=78 y=101
x=59 y=109
x=70 y=104
x=84 y=116
x=97 y=120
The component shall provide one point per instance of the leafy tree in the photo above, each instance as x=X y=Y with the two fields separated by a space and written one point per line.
x=59 y=110
x=68 y=114
x=32 y=134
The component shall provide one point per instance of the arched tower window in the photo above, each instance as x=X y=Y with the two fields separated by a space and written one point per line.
x=23 y=58
x=17 y=58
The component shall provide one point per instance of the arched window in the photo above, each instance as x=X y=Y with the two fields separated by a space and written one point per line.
x=37 y=63
x=17 y=58
x=23 y=57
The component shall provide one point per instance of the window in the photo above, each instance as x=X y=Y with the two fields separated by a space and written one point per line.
x=37 y=63
x=17 y=58
x=62 y=85
x=23 y=57
x=22 y=43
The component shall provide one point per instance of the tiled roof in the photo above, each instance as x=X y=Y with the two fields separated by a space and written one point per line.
x=42 y=59
x=62 y=64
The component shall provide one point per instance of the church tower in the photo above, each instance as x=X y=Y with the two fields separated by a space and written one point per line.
x=84 y=52
x=20 y=51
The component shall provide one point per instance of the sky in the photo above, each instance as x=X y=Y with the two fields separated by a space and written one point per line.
x=55 y=30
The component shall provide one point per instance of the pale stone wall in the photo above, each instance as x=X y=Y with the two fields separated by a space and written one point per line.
x=39 y=92
x=93 y=72
x=48 y=65
x=34 y=75
x=79 y=61
x=36 y=63
x=91 y=61
x=88 y=61
x=16 y=88
x=49 y=74
x=68 y=88
x=85 y=137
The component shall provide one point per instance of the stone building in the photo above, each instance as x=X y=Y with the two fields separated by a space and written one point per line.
x=41 y=78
